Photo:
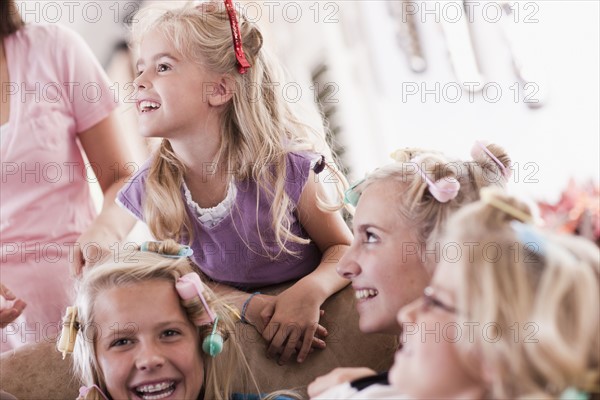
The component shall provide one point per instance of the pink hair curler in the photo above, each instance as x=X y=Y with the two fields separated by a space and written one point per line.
x=444 y=189
x=189 y=287
x=481 y=147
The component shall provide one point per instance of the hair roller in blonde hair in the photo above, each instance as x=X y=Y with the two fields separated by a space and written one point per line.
x=480 y=151
x=351 y=196
x=444 y=189
x=66 y=344
x=167 y=248
x=190 y=288
x=487 y=196
x=403 y=155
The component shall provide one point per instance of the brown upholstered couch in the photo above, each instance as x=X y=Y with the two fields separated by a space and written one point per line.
x=38 y=372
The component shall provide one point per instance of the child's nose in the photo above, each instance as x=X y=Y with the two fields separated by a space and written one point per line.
x=347 y=266
x=149 y=357
x=140 y=82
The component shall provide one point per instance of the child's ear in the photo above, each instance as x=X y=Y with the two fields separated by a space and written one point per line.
x=221 y=91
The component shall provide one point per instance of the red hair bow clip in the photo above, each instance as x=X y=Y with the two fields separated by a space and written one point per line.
x=243 y=63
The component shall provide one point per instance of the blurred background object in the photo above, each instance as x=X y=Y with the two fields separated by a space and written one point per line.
x=577 y=211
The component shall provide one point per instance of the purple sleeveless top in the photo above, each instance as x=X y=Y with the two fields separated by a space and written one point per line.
x=231 y=252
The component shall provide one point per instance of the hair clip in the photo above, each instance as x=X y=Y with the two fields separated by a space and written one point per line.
x=487 y=196
x=527 y=235
x=213 y=343
x=319 y=165
x=398 y=155
x=154 y=247
x=572 y=393
x=243 y=63
x=478 y=145
x=84 y=390
x=444 y=189
x=189 y=287
x=351 y=196
x=66 y=344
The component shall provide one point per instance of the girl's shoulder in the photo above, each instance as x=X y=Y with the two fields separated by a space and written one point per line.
x=56 y=35
x=35 y=41
x=369 y=387
x=299 y=166
x=347 y=391
x=132 y=194
x=303 y=158
x=140 y=173
x=39 y=32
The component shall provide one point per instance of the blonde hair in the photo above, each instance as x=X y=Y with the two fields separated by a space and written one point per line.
x=138 y=267
x=548 y=287
x=416 y=204
x=259 y=128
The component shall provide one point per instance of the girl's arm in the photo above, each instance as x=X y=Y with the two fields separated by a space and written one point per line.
x=109 y=157
x=255 y=304
x=294 y=315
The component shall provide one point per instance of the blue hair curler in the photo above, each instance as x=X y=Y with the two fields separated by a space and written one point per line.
x=184 y=251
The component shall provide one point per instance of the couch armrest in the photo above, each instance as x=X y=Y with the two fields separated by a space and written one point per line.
x=37 y=372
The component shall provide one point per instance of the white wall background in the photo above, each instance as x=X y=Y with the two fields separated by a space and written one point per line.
x=549 y=145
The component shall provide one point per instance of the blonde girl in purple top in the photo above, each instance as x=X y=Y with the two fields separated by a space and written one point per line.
x=237 y=175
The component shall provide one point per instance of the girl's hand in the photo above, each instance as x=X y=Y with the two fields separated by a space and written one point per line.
x=9 y=312
x=259 y=311
x=291 y=321
x=336 y=377
x=89 y=249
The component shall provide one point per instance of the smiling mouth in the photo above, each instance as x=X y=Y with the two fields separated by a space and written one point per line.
x=155 y=391
x=364 y=294
x=147 y=106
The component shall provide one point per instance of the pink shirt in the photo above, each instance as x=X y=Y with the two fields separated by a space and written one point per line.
x=58 y=90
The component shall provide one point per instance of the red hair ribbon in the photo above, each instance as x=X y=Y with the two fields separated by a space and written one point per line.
x=243 y=63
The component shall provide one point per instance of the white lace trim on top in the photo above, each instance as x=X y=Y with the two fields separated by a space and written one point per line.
x=210 y=217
